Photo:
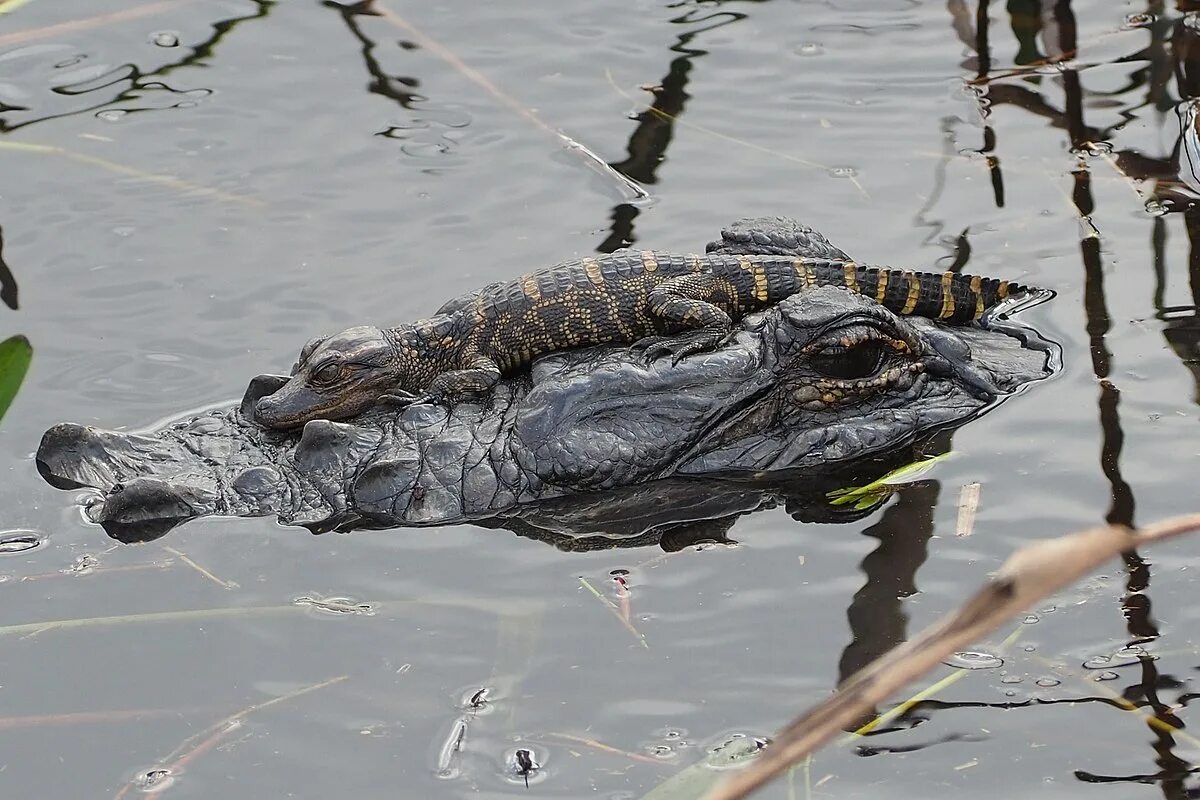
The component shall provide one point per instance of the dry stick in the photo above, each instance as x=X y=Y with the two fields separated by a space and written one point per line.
x=607 y=748
x=205 y=740
x=1031 y=574
x=87 y=23
x=186 y=560
x=70 y=573
x=968 y=507
x=74 y=718
x=629 y=626
x=132 y=172
x=427 y=42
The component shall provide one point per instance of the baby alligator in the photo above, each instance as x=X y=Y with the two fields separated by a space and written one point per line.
x=670 y=304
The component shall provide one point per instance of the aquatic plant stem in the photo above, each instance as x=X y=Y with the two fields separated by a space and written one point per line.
x=131 y=172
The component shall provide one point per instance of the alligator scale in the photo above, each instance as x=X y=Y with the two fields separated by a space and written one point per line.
x=800 y=383
x=669 y=304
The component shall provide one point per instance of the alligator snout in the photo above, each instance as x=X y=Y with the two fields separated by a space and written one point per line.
x=266 y=410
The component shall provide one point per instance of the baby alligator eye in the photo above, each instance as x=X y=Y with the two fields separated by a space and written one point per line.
x=327 y=373
x=861 y=360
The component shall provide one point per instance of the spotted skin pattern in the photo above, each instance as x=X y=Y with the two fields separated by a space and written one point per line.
x=671 y=303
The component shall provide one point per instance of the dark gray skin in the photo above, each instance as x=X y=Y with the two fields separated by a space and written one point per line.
x=589 y=441
x=582 y=422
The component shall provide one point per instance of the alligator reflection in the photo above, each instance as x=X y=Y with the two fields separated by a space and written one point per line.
x=678 y=513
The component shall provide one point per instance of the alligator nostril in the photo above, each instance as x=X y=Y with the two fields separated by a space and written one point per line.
x=264 y=406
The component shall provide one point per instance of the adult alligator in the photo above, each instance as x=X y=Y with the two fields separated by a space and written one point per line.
x=588 y=439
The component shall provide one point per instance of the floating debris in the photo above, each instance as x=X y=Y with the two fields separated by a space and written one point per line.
x=447 y=761
x=20 y=540
x=335 y=605
x=522 y=764
x=968 y=506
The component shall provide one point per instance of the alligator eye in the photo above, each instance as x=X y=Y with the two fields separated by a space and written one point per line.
x=861 y=360
x=328 y=373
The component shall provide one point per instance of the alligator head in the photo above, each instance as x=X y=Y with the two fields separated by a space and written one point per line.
x=335 y=377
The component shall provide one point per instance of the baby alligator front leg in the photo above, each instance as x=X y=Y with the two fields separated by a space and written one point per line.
x=689 y=302
x=479 y=375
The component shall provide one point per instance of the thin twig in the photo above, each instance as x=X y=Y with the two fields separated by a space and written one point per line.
x=185 y=559
x=132 y=172
x=607 y=748
x=206 y=740
x=628 y=186
x=87 y=23
x=616 y=612
x=74 y=718
x=1032 y=573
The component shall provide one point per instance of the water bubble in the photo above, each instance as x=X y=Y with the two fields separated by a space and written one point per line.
x=810 y=49
x=843 y=172
x=1047 y=683
x=1142 y=20
x=1011 y=679
x=1107 y=675
x=663 y=751
x=1121 y=658
x=18 y=541
x=1155 y=209
x=165 y=39
x=1029 y=648
x=1031 y=619
x=968 y=659
x=1093 y=149
x=736 y=749
x=111 y=114
x=154 y=780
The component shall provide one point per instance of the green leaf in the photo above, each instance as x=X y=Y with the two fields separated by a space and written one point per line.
x=876 y=490
x=15 y=355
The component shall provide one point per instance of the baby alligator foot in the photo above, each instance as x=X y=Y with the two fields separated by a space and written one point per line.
x=677 y=347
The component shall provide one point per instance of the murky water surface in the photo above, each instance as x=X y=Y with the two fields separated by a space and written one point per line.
x=192 y=189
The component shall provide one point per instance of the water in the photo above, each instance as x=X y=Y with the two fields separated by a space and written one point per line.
x=191 y=191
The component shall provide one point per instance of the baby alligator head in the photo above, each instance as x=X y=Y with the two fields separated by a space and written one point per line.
x=336 y=377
